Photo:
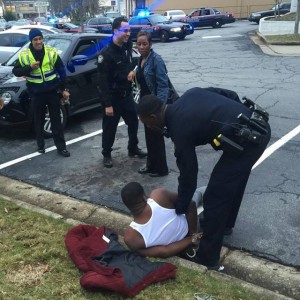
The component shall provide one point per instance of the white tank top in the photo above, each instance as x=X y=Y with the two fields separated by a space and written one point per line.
x=164 y=226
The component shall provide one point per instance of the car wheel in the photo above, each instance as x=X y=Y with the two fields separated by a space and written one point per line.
x=47 y=124
x=164 y=36
x=217 y=24
x=257 y=22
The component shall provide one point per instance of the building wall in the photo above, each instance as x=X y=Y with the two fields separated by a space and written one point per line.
x=240 y=8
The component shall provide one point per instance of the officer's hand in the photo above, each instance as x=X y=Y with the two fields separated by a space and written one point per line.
x=109 y=111
x=66 y=94
x=130 y=76
x=35 y=65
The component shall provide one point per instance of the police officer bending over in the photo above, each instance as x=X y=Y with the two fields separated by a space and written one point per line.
x=240 y=130
x=115 y=80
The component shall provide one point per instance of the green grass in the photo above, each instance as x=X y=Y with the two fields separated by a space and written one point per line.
x=287 y=17
x=35 y=265
x=283 y=39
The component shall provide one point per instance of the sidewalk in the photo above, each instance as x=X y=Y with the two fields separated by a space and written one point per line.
x=261 y=276
x=275 y=50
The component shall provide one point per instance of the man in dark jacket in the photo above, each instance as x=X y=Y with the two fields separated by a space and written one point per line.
x=116 y=74
x=41 y=64
x=199 y=117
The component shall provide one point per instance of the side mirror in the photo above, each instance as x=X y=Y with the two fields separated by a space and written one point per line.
x=79 y=60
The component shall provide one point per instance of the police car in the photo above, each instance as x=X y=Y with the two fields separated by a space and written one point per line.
x=79 y=52
x=160 y=27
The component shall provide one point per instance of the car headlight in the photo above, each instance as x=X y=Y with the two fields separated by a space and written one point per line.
x=177 y=29
x=6 y=96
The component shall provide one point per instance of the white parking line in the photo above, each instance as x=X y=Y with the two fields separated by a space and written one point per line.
x=212 y=37
x=29 y=156
x=265 y=155
x=277 y=145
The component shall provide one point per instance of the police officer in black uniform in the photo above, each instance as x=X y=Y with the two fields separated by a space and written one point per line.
x=115 y=69
x=240 y=130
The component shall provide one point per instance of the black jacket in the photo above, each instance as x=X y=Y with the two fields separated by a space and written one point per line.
x=196 y=118
x=46 y=86
x=114 y=65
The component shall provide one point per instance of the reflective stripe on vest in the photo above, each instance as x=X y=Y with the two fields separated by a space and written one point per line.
x=46 y=72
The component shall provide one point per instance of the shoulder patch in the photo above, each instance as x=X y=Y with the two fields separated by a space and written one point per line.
x=100 y=59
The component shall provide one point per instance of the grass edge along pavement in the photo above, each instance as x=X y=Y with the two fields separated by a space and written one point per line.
x=266 y=276
x=36 y=263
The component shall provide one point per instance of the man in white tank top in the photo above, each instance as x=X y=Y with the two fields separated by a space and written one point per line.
x=156 y=229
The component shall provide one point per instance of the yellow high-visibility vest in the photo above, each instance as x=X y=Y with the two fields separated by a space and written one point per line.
x=46 y=72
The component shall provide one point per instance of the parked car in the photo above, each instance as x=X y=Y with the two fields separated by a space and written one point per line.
x=282 y=8
x=207 y=17
x=174 y=14
x=72 y=28
x=112 y=14
x=12 y=40
x=3 y=26
x=102 y=24
x=45 y=29
x=160 y=27
x=79 y=53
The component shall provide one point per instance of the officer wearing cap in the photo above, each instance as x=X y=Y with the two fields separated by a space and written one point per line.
x=41 y=65
x=200 y=117
x=115 y=69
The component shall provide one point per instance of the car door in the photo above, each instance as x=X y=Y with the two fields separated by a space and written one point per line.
x=206 y=17
x=82 y=79
x=195 y=18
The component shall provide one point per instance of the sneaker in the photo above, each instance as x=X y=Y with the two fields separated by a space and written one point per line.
x=137 y=152
x=107 y=162
x=41 y=150
x=64 y=152
x=217 y=268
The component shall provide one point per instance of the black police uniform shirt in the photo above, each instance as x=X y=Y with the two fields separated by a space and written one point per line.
x=114 y=65
x=196 y=119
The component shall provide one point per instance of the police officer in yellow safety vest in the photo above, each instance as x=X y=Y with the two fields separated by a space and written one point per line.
x=41 y=64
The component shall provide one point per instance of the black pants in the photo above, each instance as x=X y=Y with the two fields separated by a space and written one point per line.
x=156 y=159
x=125 y=108
x=223 y=197
x=39 y=102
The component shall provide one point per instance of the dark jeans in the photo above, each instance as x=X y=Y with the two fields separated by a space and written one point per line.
x=156 y=159
x=223 y=197
x=125 y=108
x=39 y=102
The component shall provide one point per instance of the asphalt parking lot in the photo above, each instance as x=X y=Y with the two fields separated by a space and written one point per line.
x=268 y=223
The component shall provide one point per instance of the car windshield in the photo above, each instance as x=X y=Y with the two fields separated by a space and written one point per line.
x=176 y=12
x=158 y=19
x=61 y=46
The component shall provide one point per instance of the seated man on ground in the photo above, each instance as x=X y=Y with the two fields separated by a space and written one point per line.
x=156 y=229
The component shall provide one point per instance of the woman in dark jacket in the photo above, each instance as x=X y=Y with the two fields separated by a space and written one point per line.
x=153 y=79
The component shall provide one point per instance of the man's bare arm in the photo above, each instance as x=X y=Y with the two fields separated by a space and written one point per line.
x=165 y=251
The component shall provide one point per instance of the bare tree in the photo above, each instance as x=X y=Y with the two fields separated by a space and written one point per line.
x=276 y=12
x=296 y=29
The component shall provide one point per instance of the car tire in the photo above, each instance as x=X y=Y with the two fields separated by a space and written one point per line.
x=164 y=36
x=217 y=24
x=47 y=124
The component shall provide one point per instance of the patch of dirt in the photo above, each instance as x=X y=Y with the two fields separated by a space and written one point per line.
x=28 y=275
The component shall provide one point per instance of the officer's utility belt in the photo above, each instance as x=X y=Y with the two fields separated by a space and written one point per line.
x=251 y=129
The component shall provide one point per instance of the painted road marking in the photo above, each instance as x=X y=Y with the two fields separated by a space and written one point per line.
x=221 y=36
x=29 y=156
x=277 y=145
x=265 y=155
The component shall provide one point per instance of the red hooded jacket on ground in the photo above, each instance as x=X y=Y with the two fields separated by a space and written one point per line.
x=107 y=265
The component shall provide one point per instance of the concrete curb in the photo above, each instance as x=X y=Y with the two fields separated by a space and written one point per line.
x=262 y=277
x=287 y=49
